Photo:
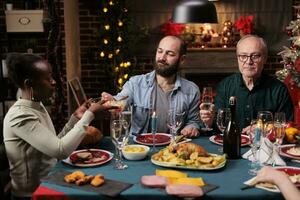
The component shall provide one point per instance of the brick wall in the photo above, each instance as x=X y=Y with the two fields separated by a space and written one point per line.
x=93 y=77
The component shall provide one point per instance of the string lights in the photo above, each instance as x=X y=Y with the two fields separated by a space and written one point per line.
x=113 y=50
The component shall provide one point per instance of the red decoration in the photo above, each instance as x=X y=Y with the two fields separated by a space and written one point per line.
x=245 y=24
x=297 y=116
x=293 y=89
x=297 y=65
x=170 y=28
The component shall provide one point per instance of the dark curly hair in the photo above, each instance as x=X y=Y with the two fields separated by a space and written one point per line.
x=21 y=67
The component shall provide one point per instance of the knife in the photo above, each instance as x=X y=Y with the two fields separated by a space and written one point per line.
x=245 y=187
x=251 y=185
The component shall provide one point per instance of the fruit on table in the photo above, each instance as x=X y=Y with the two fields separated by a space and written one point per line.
x=292 y=134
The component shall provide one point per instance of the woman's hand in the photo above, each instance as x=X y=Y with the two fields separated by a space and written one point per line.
x=94 y=107
x=81 y=110
x=99 y=106
x=271 y=175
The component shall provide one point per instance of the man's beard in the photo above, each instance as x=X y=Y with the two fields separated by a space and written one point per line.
x=165 y=70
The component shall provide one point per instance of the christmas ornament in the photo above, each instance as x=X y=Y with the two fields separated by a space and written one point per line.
x=227 y=36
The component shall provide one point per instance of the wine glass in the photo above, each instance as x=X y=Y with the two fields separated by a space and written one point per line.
x=265 y=122
x=279 y=127
x=207 y=100
x=223 y=117
x=254 y=137
x=119 y=138
x=126 y=116
x=174 y=121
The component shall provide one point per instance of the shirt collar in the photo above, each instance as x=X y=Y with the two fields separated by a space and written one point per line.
x=257 y=83
x=30 y=104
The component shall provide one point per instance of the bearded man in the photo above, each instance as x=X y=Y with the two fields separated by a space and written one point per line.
x=162 y=90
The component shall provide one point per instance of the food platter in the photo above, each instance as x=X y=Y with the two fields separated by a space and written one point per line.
x=218 y=139
x=147 y=139
x=286 y=151
x=95 y=157
x=291 y=171
x=174 y=165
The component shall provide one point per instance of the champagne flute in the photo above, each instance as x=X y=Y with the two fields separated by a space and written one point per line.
x=207 y=100
x=119 y=138
x=126 y=116
x=174 y=121
x=279 y=126
x=254 y=137
x=223 y=117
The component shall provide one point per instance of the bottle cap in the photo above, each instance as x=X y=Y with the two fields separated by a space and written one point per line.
x=232 y=100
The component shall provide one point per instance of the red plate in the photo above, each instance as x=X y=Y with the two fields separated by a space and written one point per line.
x=99 y=157
x=147 y=139
x=218 y=139
x=284 y=151
x=291 y=171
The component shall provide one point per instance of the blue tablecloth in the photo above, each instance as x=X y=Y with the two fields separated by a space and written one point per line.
x=229 y=179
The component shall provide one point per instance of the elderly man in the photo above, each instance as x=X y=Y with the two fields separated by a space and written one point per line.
x=162 y=90
x=254 y=90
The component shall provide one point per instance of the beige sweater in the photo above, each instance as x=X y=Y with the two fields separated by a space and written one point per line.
x=32 y=145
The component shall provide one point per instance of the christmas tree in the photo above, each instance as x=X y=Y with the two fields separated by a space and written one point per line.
x=113 y=41
x=290 y=73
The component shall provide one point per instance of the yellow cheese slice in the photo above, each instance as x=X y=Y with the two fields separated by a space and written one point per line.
x=187 y=181
x=171 y=173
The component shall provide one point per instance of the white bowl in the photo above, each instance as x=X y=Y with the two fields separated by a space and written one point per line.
x=130 y=151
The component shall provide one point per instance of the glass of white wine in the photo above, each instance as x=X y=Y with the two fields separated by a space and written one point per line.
x=279 y=131
x=126 y=116
x=119 y=137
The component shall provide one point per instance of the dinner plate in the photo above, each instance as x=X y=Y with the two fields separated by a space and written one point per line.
x=218 y=139
x=171 y=165
x=291 y=171
x=283 y=151
x=147 y=139
x=105 y=156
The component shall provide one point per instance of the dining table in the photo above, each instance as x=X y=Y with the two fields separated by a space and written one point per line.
x=228 y=179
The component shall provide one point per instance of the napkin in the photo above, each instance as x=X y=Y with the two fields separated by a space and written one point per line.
x=265 y=154
x=110 y=188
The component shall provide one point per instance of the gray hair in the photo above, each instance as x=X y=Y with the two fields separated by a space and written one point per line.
x=260 y=39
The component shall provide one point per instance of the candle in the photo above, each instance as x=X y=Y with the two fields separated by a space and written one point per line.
x=153 y=122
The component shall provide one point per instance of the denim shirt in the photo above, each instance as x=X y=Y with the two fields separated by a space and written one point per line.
x=184 y=98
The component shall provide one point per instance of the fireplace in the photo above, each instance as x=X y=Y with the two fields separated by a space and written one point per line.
x=209 y=66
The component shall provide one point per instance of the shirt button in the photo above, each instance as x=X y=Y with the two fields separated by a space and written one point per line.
x=247 y=118
x=247 y=106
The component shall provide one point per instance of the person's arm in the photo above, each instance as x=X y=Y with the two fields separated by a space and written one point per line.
x=29 y=128
x=192 y=127
x=279 y=178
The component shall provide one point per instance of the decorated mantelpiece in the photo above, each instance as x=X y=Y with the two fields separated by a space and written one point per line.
x=290 y=74
x=205 y=35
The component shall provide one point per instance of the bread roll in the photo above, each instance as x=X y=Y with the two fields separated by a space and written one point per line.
x=93 y=136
